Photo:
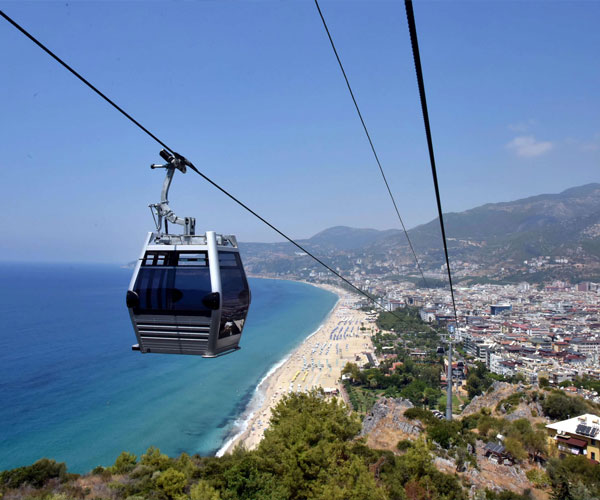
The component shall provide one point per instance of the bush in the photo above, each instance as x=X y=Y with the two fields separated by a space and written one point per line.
x=204 y=491
x=155 y=460
x=543 y=382
x=404 y=444
x=444 y=433
x=124 y=463
x=171 y=482
x=35 y=475
x=559 y=406
x=424 y=416
x=538 y=478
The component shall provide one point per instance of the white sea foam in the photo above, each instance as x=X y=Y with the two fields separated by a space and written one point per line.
x=241 y=423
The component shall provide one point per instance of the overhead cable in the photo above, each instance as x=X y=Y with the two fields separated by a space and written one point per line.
x=187 y=162
x=419 y=70
x=370 y=141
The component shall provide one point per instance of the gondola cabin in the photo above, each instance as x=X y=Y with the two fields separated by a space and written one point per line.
x=188 y=295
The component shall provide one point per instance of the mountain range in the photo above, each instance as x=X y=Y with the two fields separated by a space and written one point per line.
x=501 y=238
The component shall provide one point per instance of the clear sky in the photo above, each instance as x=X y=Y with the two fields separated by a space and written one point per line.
x=251 y=93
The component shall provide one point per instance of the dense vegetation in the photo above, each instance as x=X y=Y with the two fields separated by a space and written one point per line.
x=480 y=379
x=559 y=406
x=417 y=382
x=406 y=319
x=574 y=478
x=309 y=451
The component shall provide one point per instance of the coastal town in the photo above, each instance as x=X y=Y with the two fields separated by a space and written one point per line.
x=550 y=331
x=534 y=345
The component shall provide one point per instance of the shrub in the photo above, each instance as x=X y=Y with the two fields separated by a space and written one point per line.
x=424 y=416
x=515 y=448
x=404 y=444
x=559 y=406
x=171 y=482
x=124 y=463
x=204 y=491
x=154 y=459
x=35 y=475
x=538 y=478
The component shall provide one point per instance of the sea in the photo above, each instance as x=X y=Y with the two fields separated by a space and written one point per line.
x=72 y=390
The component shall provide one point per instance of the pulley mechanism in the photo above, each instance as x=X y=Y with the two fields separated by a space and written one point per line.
x=162 y=209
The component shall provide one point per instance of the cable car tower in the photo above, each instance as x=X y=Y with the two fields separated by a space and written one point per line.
x=188 y=293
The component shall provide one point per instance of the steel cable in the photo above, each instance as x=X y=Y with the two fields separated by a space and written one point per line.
x=205 y=177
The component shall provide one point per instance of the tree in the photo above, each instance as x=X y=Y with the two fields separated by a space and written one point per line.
x=515 y=448
x=125 y=462
x=202 y=490
x=171 y=482
x=543 y=382
x=474 y=385
x=559 y=406
x=353 y=370
x=35 y=475
x=155 y=460
x=573 y=478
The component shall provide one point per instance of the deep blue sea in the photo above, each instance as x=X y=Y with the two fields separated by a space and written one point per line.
x=71 y=388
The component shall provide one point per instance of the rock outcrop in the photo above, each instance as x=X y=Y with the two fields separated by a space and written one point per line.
x=500 y=391
x=385 y=425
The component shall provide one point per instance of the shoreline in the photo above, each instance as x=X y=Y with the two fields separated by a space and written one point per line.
x=249 y=427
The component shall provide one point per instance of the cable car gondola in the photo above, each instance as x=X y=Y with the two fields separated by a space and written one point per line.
x=189 y=293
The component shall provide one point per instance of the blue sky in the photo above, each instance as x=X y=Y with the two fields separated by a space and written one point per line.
x=251 y=93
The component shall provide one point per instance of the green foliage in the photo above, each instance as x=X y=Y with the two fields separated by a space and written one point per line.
x=310 y=451
x=543 y=382
x=453 y=436
x=417 y=382
x=362 y=399
x=559 y=406
x=404 y=444
x=309 y=439
x=125 y=462
x=171 y=482
x=446 y=434
x=573 y=478
x=510 y=403
x=402 y=320
x=185 y=464
x=515 y=448
x=521 y=438
x=413 y=475
x=587 y=382
x=155 y=460
x=479 y=380
x=421 y=414
x=202 y=490
x=538 y=477
x=35 y=475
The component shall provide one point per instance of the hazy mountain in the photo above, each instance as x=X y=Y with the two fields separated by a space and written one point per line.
x=548 y=224
x=566 y=225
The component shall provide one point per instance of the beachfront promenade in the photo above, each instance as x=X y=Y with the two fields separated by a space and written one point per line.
x=317 y=362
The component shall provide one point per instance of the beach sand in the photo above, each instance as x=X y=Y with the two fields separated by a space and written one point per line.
x=317 y=362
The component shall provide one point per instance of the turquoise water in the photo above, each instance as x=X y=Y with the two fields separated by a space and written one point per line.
x=71 y=389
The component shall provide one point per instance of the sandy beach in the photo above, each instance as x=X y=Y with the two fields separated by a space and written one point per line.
x=317 y=362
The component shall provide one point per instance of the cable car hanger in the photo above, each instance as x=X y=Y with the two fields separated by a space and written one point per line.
x=163 y=211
